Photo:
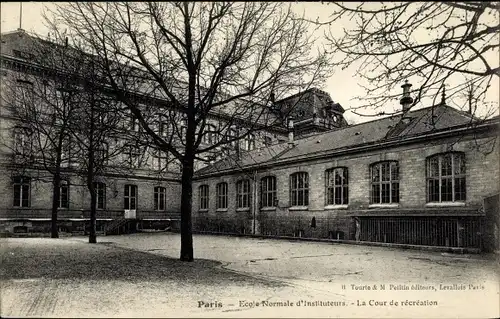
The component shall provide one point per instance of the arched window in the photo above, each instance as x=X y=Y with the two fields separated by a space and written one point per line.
x=221 y=195
x=299 y=189
x=337 y=188
x=384 y=183
x=243 y=193
x=248 y=143
x=446 y=177
x=268 y=191
x=203 y=195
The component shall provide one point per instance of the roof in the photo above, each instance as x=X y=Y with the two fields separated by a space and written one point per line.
x=414 y=123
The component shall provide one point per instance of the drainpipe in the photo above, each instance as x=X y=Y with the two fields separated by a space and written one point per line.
x=254 y=204
x=290 y=132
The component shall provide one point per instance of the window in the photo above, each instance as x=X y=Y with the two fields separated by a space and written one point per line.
x=66 y=152
x=210 y=134
x=160 y=160
x=160 y=197
x=64 y=96
x=183 y=130
x=248 y=142
x=268 y=193
x=130 y=197
x=337 y=189
x=102 y=154
x=243 y=194
x=22 y=141
x=221 y=195
x=385 y=182
x=100 y=190
x=267 y=141
x=446 y=177
x=163 y=125
x=21 y=191
x=203 y=192
x=299 y=189
x=134 y=154
x=134 y=123
x=232 y=133
x=64 y=195
x=103 y=118
x=24 y=91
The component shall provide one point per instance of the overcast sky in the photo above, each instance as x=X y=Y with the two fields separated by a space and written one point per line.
x=343 y=86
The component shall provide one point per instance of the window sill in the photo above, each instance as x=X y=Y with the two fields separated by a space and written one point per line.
x=298 y=208
x=202 y=210
x=445 y=204
x=221 y=210
x=243 y=209
x=336 y=206
x=383 y=205
x=267 y=208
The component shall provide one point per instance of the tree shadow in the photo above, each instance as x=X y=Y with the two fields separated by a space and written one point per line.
x=57 y=259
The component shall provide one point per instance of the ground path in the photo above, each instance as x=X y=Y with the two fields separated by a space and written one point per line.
x=139 y=275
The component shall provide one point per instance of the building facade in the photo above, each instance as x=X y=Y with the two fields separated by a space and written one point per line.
x=418 y=178
x=137 y=180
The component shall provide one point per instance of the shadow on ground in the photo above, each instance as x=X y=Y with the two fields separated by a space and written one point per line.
x=57 y=259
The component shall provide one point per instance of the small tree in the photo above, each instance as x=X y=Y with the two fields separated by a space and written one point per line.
x=196 y=62
x=97 y=121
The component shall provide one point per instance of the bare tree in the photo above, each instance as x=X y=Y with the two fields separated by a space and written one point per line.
x=97 y=116
x=40 y=102
x=434 y=43
x=197 y=62
x=65 y=119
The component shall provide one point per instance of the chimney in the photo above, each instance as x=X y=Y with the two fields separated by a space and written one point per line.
x=290 y=131
x=443 y=95
x=406 y=100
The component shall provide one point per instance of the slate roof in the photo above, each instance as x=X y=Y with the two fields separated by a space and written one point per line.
x=389 y=128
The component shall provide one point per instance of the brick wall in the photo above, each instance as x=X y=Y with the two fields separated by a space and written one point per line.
x=482 y=171
x=41 y=198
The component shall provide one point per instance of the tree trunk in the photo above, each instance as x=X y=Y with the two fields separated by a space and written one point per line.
x=93 y=198
x=56 y=193
x=90 y=175
x=186 y=207
x=92 y=230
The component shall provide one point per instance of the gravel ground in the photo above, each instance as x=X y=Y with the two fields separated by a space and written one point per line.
x=139 y=276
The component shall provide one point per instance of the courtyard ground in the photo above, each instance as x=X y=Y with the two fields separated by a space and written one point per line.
x=139 y=275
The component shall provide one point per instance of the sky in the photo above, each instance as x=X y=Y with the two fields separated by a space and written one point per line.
x=343 y=86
